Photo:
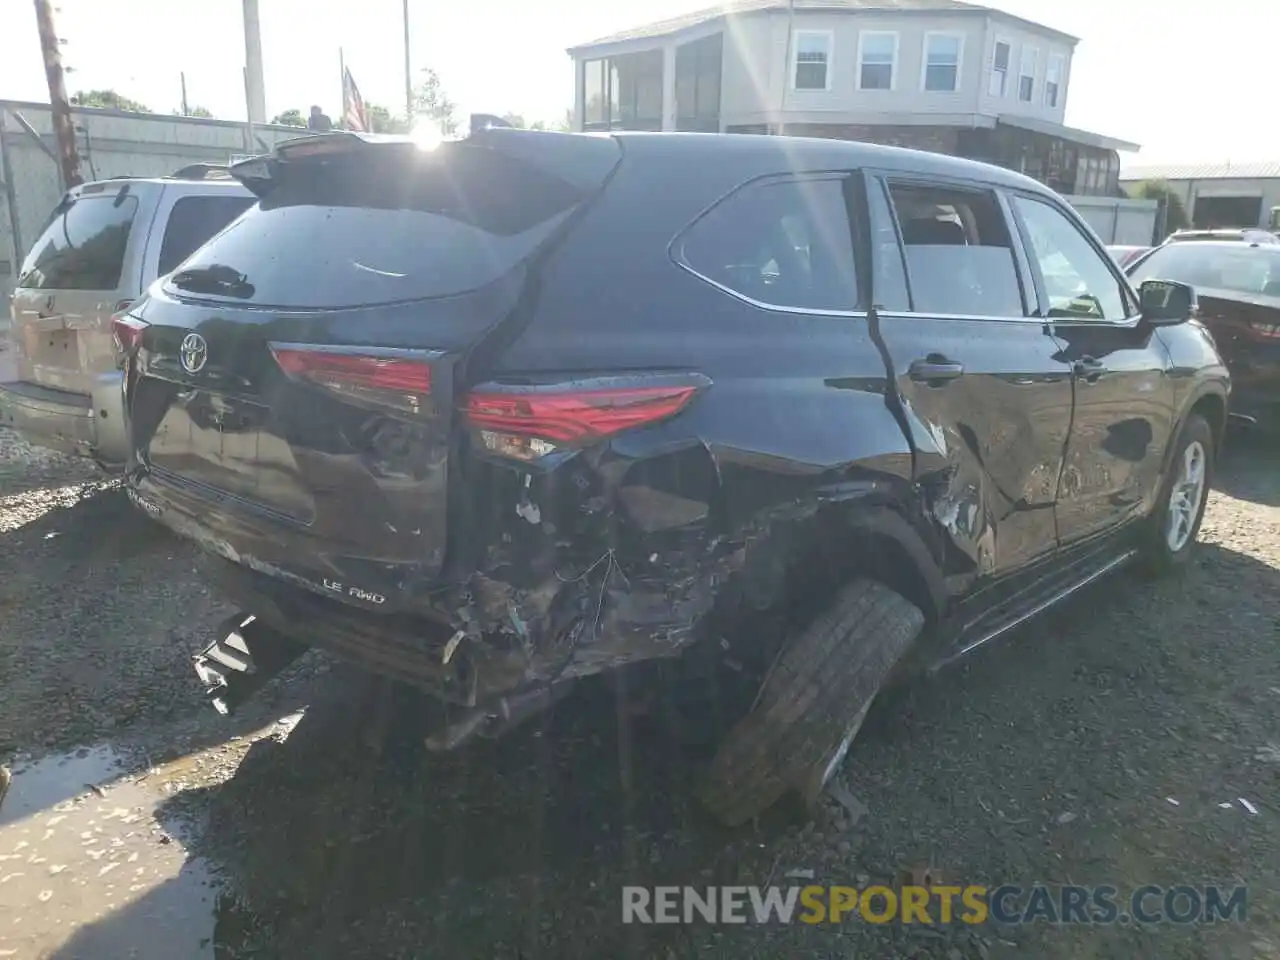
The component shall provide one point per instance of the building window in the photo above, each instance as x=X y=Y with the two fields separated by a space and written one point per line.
x=813 y=60
x=1027 y=75
x=1000 y=59
x=595 y=94
x=877 y=61
x=942 y=52
x=623 y=93
x=698 y=68
x=1053 y=80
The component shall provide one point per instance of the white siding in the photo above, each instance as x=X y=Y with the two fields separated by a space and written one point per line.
x=755 y=55
x=758 y=69
x=845 y=103
x=1048 y=44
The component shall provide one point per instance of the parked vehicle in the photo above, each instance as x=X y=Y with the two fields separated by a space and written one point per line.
x=536 y=406
x=104 y=244
x=1126 y=254
x=1238 y=286
x=1246 y=234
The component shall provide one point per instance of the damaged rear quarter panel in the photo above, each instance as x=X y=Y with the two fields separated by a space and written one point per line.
x=623 y=549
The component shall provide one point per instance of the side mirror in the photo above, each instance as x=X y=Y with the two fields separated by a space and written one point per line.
x=1166 y=302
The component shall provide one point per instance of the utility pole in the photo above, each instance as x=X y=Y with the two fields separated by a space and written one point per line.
x=255 y=89
x=63 y=129
x=408 y=70
x=186 y=111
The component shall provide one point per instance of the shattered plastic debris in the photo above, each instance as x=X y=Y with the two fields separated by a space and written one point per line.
x=451 y=647
x=852 y=805
x=1065 y=818
x=1225 y=805
x=1172 y=801
x=1253 y=811
x=799 y=874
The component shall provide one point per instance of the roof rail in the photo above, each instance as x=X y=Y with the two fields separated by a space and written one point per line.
x=202 y=171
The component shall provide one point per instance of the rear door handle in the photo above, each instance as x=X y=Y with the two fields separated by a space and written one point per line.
x=1089 y=368
x=934 y=369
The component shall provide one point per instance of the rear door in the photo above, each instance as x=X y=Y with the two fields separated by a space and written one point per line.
x=72 y=281
x=1124 y=399
x=986 y=396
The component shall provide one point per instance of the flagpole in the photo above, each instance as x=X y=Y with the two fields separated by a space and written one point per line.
x=408 y=72
x=342 y=85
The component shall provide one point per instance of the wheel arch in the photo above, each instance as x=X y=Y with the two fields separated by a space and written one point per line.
x=1206 y=402
x=846 y=539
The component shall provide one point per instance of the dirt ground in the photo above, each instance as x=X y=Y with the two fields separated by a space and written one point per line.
x=1121 y=740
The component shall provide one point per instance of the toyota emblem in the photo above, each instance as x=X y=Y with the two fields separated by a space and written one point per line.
x=193 y=353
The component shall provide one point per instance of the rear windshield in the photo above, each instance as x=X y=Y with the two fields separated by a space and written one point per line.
x=83 y=246
x=194 y=220
x=382 y=225
x=1215 y=266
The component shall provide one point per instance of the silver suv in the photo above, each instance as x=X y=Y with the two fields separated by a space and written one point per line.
x=104 y=244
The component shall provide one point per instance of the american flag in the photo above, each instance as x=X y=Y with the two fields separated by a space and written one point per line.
x=354 y=115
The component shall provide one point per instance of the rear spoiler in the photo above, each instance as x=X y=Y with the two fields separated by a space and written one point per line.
x=580 y=159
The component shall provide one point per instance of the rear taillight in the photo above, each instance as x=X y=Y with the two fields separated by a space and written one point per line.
x=389 y=378
x=1270 y=331
x=126 y=330
x=528 y=423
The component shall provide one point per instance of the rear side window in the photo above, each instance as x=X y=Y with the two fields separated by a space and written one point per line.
x=83 y=246
x=192 y=221
x=783 y=243
x=959 y=256
x=382 y=225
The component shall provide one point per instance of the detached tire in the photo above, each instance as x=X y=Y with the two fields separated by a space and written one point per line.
x=1183 y=498
x=812 y=703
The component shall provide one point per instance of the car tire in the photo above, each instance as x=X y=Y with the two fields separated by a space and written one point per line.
x=1164 y=552
x=812 y=703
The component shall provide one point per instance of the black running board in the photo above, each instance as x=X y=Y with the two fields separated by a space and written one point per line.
x=239 y=664
x=1034 y=610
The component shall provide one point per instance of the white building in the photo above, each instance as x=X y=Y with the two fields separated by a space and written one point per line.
x=939 y=75
x=1218 y=194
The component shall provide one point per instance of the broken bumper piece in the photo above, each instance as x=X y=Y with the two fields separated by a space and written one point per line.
x=247 y=655
x=499 y=717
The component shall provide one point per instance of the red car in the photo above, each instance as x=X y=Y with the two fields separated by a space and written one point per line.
x=1125 y=255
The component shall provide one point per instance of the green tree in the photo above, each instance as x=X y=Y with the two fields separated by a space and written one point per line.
x=565 y=123
x=290 y=118
x=107 y=99
x=517 y=120
x=382 y=120
x=201 y=112
x=1175 y=217
x=430 y=101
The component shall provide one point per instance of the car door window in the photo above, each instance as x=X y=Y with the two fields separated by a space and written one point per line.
x=193 y=221
x=958 y=248
x=83 y=246
x=1077 y=280
x=782 y=243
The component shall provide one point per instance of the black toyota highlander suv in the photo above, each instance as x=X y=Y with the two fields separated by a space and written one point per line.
x=528 y=407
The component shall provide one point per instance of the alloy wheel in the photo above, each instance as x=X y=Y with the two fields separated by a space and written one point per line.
x=1186 y=496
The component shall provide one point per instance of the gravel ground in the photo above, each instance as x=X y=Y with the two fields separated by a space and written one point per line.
x=1055 y=757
